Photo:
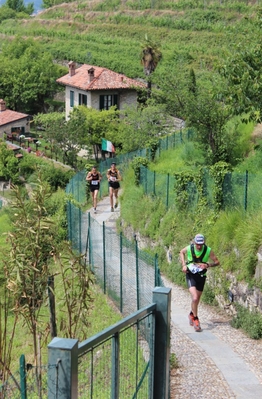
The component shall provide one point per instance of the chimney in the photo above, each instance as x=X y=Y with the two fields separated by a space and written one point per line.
x=72 y=68
x=91 y=74
x=2 y=105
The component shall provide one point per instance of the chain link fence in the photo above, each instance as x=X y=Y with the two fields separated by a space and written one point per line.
x=28 y=382
x=125 y=272
x=133 y=378
x=77 y=186
x=241 y=191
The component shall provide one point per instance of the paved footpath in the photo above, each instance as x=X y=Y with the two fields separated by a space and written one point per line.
x=220 y=362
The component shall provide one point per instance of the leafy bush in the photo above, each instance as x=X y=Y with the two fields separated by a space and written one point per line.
x=250 y=322
x=27 y=165
x=56 y=208
x=56 y=177
x=6 y=13
x=135 y=164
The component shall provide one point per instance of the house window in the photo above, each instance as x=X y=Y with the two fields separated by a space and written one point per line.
x=82 y=99
x=72 y=98
x=108 y=101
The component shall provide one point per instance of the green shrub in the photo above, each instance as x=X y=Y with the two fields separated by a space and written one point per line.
x=250 y=322
x=135 y=164
x=173 y=361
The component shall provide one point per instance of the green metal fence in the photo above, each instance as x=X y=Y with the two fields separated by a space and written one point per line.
x=128 y=360
x=125 y=272
x=77 y=185
x=26 y=383
x=123 y=376
x=240 y=190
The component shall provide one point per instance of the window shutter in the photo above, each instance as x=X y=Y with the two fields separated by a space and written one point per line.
x=115 y=100
x=101 y=100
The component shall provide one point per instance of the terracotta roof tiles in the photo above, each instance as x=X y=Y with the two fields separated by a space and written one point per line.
x=104 y=79
x=8 y=116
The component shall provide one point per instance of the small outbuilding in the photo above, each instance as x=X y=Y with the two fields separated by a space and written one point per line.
x=12 y=122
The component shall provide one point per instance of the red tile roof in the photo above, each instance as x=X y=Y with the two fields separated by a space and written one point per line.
x=9 y=116
x=104 y=79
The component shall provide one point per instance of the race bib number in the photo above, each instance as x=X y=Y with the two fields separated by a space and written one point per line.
x=94 y=182
x=194 y=268
x=112 y=178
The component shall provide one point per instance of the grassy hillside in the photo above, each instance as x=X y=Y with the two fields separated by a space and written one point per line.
x=196 y=34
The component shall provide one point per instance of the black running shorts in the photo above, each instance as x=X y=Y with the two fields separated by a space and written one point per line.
x=114 y=184
x=195 y=280
x=94 y=187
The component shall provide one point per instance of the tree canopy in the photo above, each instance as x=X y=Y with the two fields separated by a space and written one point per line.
x=28 y=75
x=19 y=6
x=242 y=72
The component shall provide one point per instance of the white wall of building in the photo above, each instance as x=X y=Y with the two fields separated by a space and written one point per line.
x=126 y=97
x=21 y=123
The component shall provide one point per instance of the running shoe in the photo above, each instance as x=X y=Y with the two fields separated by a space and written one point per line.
x=94 y=210
x=116 y=204
x=196 y=324
x=112 y=209
x=191 y=318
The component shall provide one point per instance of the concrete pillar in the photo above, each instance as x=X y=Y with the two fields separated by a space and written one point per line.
x=63 y=368
x=162 y=298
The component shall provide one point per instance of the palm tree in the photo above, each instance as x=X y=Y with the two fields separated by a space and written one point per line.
x=150 y=57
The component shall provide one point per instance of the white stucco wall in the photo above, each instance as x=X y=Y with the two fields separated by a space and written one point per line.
x=76 y=93
x=126 y=97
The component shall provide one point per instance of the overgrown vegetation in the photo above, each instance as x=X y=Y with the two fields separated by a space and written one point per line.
x=250 y=322
x=235 y=234
x=208 y=71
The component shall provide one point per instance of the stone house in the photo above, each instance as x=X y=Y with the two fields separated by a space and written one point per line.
x=98 y=88
x=12 y=121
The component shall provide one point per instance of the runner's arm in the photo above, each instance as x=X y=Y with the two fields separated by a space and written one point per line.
x=214 y=259
x=119 y=178
x=182 y=254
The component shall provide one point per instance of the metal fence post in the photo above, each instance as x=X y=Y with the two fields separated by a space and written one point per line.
x=146 y=181
x=89 y=242
x=162 y=298
x=78 y=186
x=104 y=256
x=167 y=191
x=246 y=186
x=154 y=188
x=137 y=279
x=23 y=377
x=63 y=376
x=156 y=271
x=121 y=271
x=69 y=219
x=115 y=360
x=80 y=230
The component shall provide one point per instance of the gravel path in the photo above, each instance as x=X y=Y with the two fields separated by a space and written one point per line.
x=197 y=376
